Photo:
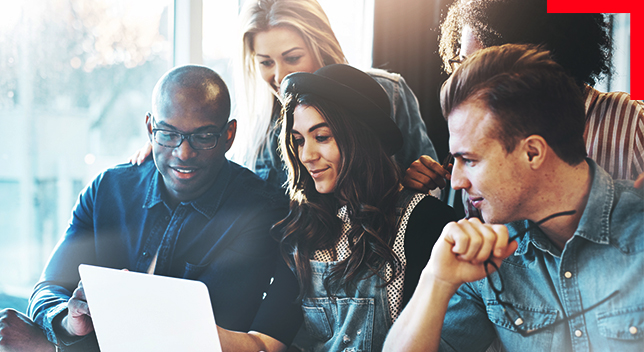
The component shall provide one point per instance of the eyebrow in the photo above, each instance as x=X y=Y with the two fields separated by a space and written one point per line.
x=283 y=54
x=198 y=130
x=459 y=154
x=314 y=127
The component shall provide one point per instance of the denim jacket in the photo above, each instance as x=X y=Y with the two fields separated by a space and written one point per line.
x=545 y=285
x=121 y=220
x=404 y=111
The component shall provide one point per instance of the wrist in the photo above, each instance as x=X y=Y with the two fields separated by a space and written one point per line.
x=429 y=279
x=65 y=327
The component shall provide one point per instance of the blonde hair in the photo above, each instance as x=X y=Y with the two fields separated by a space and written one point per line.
x=256 y=100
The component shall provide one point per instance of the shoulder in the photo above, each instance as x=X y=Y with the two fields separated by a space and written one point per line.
x=124 y=176
x=391 y=82
x=617 y=104
x=433 y=208
x=628 y=201
x=245 y=183
x=383 y=76
x=427 y=220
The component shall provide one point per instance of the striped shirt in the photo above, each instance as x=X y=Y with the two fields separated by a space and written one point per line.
x=614 y=132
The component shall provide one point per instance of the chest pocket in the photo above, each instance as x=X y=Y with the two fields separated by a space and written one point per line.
x=349 y=321
x=623 y=327
x=531 y=319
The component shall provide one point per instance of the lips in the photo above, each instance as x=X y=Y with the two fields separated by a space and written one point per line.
x=183 y=172
x=317 y=172
x=476 y=201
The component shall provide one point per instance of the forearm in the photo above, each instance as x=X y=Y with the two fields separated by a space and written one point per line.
x=418 y=328
x=233 y=341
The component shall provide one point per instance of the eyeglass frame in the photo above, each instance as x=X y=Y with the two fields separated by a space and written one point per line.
x=456 y=60
x=508 y=307
x=187 y=136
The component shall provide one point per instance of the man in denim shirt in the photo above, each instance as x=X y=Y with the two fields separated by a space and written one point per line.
x=572 y=280
x=189 y=213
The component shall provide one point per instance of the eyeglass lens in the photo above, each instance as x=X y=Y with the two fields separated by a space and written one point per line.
x=198 y=141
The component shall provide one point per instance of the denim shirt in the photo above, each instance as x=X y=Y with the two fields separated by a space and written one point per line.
x=404 y=111
x=122 y=219
x=605 y=254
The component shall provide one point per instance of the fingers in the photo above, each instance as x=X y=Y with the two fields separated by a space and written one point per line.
x=140 y=155
x=475 y=242
x=501 y=241
x=77 y=304
x=639 y=183
x=435 y=167
x=425 y=174
x=411 y=181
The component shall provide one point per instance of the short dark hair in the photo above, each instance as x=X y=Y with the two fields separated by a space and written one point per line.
x=527 y=92
x=579 y=42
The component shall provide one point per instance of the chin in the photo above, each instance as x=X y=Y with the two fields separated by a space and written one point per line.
x=323 y=188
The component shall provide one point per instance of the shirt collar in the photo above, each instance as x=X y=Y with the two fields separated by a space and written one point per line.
x=594 y=222
x=205 y=204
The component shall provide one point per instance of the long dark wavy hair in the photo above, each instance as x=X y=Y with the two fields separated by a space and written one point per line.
x=368 y=183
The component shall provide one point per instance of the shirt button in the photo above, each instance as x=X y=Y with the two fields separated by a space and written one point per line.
x=518 y=322
x=145 y=254
x=632 y=330
x=578 y=333
x=167 y=218
x=568 y=274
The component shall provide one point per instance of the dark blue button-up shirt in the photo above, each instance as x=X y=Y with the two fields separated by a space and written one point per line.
x=122 y=219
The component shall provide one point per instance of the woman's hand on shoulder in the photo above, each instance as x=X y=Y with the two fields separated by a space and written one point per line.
x=140 y=155
x=425 y=174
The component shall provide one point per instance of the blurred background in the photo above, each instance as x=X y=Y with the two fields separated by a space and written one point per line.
x=77 y=76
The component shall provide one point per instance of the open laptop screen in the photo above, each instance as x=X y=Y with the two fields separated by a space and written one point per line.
x=140 y=312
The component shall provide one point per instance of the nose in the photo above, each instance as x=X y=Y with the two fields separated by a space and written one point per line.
x=308 y=153
x=459 y=179
x=280 y=72
x=184 y=151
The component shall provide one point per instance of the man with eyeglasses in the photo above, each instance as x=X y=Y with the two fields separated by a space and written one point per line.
x=188 y=213
x=565 y=272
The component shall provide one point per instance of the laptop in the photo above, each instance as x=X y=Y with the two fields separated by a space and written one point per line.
x=140 y=312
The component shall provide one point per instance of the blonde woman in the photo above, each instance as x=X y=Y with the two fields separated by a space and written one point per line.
x=280 y=37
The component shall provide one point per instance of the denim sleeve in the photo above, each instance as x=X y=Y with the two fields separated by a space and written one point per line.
x=406 y=114
x=60 y=276
x=466 y=326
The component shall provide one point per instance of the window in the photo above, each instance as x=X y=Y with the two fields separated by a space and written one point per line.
x=77 y=77
x=76 y=84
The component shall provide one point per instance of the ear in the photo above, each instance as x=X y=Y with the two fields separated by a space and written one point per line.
x=535 y=148
x=230 y=133
x=148 y=125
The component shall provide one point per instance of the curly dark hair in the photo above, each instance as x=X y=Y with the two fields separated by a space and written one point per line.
x=579 y=42
x=368 y=183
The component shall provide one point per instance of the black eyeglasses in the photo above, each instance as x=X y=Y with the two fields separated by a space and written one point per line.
x=456 y=61
x=197 y=141
x=513 y=316
x=449 y=159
